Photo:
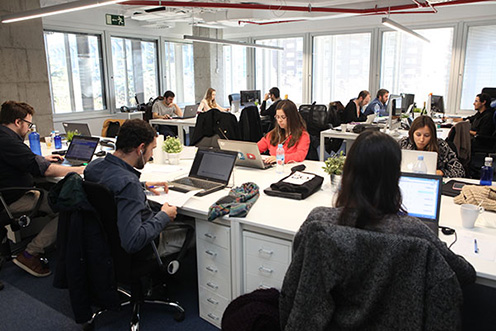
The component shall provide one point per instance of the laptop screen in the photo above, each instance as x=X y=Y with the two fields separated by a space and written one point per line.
x=82 y=148
x=421 y=195
x=213 y=164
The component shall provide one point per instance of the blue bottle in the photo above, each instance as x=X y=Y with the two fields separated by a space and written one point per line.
x=487 y=172
x=34 y=141
x=57 y=141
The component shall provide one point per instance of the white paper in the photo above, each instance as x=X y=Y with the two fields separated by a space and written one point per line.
x=158 y=153
x=299 y=178
x=173 y=198
x=466 y=245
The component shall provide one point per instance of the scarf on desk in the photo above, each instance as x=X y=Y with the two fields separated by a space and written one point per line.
x=237 y=203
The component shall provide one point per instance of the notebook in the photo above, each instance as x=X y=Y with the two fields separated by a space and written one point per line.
x=421 y=195
x=210 y=172
x=82 y=128
x=248 y=153
x=189 y=112
x=80 y=150
x=409 y=158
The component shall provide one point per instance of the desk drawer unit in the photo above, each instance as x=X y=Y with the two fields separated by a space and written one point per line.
x=265 y=261
x=214 y=270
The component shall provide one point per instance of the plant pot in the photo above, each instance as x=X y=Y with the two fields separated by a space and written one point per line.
x=173 y=158
x=336 y=181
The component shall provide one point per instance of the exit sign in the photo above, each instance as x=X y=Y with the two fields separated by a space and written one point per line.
x=115 y=20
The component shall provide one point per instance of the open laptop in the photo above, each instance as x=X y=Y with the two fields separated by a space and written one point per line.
x=421 y=195
x=409 y=158
x=80 y=150
x=210 y=172
x=370 y=119
x=189 y=112
x=248 y=153
x=82 y=128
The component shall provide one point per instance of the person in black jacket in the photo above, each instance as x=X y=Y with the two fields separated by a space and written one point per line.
x=482 y=123
x=353 y=110
x=275 y=96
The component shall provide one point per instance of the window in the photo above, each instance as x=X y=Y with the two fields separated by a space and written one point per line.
x=273 y=67
x=75 y=68
x=180 y=72
x=480 y=63
x=135 y=70
x=341 y=65
x=235 y=75
x=410 y=65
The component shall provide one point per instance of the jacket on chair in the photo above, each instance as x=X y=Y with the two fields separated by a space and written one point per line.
x=250 y=126
x=214 y=122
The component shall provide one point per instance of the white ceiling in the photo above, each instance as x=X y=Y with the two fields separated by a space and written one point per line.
x=166 y=16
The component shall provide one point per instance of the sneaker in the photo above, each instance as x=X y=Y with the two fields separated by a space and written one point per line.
x=32 y=264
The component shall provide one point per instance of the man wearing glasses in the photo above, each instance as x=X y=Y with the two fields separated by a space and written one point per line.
x=18 y=167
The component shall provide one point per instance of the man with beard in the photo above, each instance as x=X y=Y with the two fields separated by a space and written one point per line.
x=353 y=110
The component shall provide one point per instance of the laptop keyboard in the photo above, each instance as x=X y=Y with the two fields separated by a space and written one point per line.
x=196 y=183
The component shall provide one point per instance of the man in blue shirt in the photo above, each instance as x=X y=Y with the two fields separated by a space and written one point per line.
x=378 y=105
x=137 y=222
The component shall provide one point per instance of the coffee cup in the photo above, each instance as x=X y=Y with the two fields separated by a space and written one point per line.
x=343 y=127
x=469 y=214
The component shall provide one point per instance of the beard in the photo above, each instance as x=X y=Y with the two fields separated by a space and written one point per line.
x=141 y=163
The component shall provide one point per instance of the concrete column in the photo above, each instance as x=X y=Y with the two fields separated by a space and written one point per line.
x=23 y=67
x=209 y=70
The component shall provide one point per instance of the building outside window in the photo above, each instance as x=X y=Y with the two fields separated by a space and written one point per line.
x=180 y=71
x=75 y=68
x=235 y=66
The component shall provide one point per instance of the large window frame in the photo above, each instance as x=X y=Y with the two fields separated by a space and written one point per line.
x=178 y=72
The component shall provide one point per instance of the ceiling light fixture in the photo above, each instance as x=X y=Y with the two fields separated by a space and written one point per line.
x=57 y=9
x=230 y=42
x=398 y=27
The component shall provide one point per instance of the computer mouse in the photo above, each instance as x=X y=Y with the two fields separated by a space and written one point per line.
x=100 y=153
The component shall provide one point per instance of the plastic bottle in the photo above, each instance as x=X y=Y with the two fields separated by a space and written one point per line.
x=280 y=159
x=34 y=141
x=487 y=172
x=57 y=140
x=419 y=167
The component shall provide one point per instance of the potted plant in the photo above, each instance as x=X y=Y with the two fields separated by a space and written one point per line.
x=172 y=146
x=71 y=134
x=334 y=167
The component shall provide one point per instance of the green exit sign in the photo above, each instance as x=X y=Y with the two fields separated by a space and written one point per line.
x=115 y=20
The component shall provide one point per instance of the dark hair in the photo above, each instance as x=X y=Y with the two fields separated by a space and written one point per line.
x=169 y=94
x=369 y=185
x=419 y=123
x=295 y=125
x=381 y=92
x=485 y=99
x=133 y=133
x=363 y=94
x=12 y=110
x=275 y=92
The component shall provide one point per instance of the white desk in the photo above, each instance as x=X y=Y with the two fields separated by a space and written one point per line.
x=239 y=255
x=180 y=123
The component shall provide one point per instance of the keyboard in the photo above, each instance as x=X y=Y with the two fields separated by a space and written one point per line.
x=198 y=183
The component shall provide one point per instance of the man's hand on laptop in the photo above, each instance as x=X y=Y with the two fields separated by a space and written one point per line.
x=171 y=211
x=54 y=158
x=155 y=186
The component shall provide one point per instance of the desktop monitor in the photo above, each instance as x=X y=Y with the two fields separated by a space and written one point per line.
x=250 y=97
x=407 y=100
x=437 y=104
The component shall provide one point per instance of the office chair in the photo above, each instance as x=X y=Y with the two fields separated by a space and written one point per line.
x=250 y=126
x=215 y=122
x=317 y=120
x=111 y=127
x=234 y=97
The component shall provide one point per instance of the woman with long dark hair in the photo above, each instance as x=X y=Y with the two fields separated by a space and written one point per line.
x=290 y=131
x=422 y=136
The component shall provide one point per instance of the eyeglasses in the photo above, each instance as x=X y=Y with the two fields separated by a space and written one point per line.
x=30 y=125
x=280 y=117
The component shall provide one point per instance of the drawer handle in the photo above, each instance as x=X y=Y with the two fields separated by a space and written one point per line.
x=212 y=301
x=265 y=251
x=264 y=287
x=212 y=285
x=212 y=316
x=209 y=252
x=266 y=270
x=211 y=269
x=210 y=236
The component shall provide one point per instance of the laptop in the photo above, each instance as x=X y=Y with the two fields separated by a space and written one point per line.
x=409 y=158
x=248 y=153
x=210 y=172
x=82 y=128
x=421 y=195
x=80 y=150
x=189 y=112
x=370 y=119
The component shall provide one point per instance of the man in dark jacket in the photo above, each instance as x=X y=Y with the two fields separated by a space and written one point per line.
x=353 y=110
x=275 y=96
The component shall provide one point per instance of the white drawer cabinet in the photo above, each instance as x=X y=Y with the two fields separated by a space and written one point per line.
x=214 y=270
x=265 y=261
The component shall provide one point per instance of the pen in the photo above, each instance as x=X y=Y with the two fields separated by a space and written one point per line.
x=476 y=248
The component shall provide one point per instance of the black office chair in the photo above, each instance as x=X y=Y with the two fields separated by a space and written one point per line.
x=317 y=120
x=250 y=126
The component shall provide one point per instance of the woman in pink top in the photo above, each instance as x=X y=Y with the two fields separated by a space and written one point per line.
x=290 y=130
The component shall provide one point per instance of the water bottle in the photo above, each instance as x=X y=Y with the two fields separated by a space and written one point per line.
x=419 y=167
x=280 y=159
x=34 y=141
x=487 y=172
x=57 y=140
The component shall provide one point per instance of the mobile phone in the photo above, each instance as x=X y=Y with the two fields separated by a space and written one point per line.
x=458 y=186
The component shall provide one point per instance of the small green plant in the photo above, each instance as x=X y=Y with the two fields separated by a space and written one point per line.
x=172 y=145
x=71 y=134
x=334 y=164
